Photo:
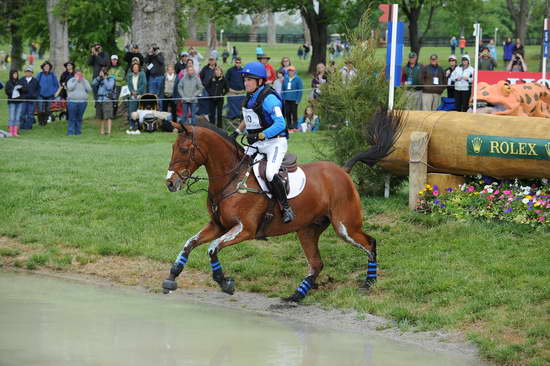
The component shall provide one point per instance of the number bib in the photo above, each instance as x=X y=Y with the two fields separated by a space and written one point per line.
x=251 y=119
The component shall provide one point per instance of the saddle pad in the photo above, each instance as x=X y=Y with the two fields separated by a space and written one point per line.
x=296 y=180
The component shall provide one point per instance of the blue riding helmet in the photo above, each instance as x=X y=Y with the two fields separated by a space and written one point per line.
x=255 y=70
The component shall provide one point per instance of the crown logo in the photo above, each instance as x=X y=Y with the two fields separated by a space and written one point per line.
x=476 y=144
x=547 y=147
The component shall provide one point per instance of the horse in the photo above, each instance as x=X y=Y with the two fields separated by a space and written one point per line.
x=329 y=197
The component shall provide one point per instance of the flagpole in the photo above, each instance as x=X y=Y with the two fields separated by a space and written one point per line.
x=394 y=20
x=545 y=51
x=478 y=37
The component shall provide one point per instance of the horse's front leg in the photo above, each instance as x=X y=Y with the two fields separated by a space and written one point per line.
x=236 y=234
x=208 y=233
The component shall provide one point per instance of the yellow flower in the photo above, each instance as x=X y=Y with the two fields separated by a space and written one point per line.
x=421 y=193
x=428 y=187
x=529 y=197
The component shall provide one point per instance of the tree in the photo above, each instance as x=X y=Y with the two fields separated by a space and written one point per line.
x=12 y=31
x=520 y=10
x=271 y=29
x=413 y=10
x=59 y=35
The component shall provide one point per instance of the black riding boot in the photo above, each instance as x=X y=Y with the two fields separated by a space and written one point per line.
x=279 y=191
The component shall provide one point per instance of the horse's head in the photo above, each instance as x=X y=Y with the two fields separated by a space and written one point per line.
x=186 y=158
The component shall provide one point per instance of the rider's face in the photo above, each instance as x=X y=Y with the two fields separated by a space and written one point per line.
x=251 y=84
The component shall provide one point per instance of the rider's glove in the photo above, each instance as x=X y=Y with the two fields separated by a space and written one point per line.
x=253 y=137
x=236 y=133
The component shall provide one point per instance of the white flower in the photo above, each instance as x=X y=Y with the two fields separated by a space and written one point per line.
x=525 y=200
x=539 y=192
x=544 y=181
x=479 y=176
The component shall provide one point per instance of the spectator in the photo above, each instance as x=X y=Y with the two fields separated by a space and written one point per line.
x=197 y=58
x=29 y=92
x=410 y=76
x=508 y=48
x=154 y=63
x=300 y=52
x=259 y=51
x=168 y=90
x=347 y=71
x=310 y=121
x=205 y=75
x=278 y=83
x=454 y=44
x=518 y=48
x=517 y=63
x=214 y=53
x=225 y=56
x=182 y=62
x=462 y=77
x=448 y=73
x=129 y=58
x=462 y=44
x=104 y=84
x=217 y=87
x=189 y=88
x=285 y=63
x=78 y=89
x=319 y=78
x=137 y=85
x=492 y=49
x=98 y=59
x=433 y=82
x=13 y=91
x=235 y=53
x=116 y=71
x=307 y=49
x=292 y=95
x=65 y=77
x=48 y=88
x=236 y=96
x=486 y=62
x=3 y=60
x=264 y=59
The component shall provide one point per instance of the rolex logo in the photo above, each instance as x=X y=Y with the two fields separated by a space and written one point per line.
x=547 y=147
x=476 y=144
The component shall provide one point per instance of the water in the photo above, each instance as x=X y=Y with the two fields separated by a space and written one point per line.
x=49 y=321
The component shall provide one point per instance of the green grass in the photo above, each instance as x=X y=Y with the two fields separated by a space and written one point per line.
x=106 y=196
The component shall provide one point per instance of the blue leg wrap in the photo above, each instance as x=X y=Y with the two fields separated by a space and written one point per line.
x=304 y=287
x=181 y=259
x=371 y=272
x=216 y=265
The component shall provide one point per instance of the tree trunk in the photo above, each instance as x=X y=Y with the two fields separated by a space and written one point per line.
x=318 y=26
x=59 y=37
x=414 y=39
x=256 y=19
x=154 y=22
x=192 y=25
x=16 y=48
x=271 y=29
x=520 y=14
x=307 y=34
x=213 y=37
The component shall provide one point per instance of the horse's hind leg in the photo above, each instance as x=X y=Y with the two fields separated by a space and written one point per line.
x=309 y=239
x=208 y=233
x=349 y=227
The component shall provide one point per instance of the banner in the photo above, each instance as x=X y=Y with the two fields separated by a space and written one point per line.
x=493 y=77
x=398 y=51
x=508 y=147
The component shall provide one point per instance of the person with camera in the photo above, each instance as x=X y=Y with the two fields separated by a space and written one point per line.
x=77 y=100
x=98 y=59
x=129 y=57
x=154 y=64
x=486 y=62
x=517 y=63
x=104 y=86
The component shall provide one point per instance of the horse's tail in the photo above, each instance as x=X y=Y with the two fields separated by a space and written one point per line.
x=381 y=135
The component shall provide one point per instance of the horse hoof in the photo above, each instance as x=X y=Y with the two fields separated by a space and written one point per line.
x=169 y=285
x=366 y=286
x=295 y=297
x=228 y=285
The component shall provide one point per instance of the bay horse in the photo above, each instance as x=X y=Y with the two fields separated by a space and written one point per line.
x=329 y=197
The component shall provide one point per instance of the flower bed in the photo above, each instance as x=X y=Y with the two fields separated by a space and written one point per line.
x=482 y=197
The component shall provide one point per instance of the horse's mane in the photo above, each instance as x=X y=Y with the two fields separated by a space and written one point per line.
x=221 y=132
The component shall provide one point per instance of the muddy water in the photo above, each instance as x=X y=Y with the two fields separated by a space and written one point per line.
x=49 y=321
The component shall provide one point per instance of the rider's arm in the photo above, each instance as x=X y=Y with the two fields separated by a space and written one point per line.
x=272 y=106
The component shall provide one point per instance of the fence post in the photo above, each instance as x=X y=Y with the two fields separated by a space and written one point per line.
x=418 y=168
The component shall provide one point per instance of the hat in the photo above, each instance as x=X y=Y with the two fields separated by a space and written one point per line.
x=77 y=70
x=135 y=45
x=68 y=63
x=135 y=60
x=291 y=68
x=484 y=48
x=97 y=44
x=466 y=57
x=452 y=57
x=46 y=63
x=433 y=56
x=184 y=54
x=114 y=57
x=263 y=56
x=412 y=55
x=211 y=58
x=28 y=68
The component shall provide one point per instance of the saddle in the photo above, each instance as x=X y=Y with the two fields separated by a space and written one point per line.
x=289 y=165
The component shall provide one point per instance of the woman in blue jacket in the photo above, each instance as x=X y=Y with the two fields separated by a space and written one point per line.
x=292 y=95
x=48 y=87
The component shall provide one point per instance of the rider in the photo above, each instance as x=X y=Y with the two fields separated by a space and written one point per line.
x=266 y=128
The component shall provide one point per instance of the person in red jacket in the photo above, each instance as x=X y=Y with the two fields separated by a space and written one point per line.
x=271 y=75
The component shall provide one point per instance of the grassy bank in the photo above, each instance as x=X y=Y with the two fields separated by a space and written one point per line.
x=105 y=196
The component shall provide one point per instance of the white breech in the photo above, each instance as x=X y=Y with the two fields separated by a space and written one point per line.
x=275 y=150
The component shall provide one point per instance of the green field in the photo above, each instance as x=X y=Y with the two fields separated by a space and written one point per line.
x=106 y=196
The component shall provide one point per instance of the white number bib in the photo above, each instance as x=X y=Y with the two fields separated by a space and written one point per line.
x=251 y=119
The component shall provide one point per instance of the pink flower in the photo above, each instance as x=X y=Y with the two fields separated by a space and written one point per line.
x=541 y=218
x=497 y=191
x=435 y=193
x=538 y=211
x=471 y=189
x=548 y=205
x=507 y=192
x=490 y=196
